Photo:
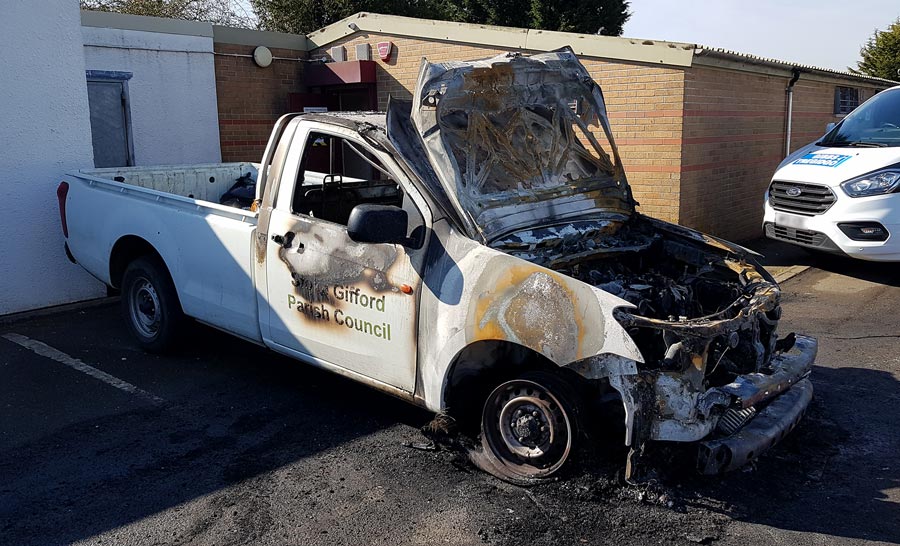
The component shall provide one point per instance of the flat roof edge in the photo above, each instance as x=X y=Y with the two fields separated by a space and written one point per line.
x=218 y=33
x=121 y=21
x=731 y=59
x=588 y=45
x=251 y=37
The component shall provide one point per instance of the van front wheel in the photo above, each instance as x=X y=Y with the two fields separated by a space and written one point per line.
x=150 y=305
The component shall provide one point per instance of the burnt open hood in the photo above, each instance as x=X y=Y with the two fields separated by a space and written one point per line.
x=515 y=142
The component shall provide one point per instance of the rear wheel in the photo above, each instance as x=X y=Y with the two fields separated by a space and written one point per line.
x=150 y=305
x=530 y=427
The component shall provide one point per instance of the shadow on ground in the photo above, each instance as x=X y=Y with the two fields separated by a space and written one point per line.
x=777 y=253
x=101 y=474
x=830 y=476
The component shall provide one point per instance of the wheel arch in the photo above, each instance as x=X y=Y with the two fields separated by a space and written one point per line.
x=480 y=366
x=134 y=262
x=127 y=249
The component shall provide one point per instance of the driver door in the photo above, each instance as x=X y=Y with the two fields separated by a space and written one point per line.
x=332 y=300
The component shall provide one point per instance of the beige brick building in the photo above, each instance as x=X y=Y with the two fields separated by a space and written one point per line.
x=700 y=130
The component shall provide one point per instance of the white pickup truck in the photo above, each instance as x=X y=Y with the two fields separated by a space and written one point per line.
x=476 y=252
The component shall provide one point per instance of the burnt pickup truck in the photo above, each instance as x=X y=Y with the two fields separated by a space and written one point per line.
x=475 y=251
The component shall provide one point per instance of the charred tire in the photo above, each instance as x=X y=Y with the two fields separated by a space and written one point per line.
x=150 y=305
x=530 y=427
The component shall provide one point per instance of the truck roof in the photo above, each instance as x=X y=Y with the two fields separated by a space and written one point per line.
x=350 y=119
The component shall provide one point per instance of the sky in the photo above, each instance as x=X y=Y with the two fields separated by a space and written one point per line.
x=825 y=33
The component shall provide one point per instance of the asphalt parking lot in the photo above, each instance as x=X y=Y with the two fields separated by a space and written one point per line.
x=226 y=443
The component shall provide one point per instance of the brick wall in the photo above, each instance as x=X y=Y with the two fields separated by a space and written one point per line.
x=733 y=139
x=644 y=103
x=252 y=98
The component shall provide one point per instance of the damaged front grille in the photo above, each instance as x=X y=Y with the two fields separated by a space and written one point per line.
x=733 y=419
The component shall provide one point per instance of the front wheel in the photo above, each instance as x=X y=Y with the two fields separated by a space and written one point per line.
x=530 y=427
x=150 y=305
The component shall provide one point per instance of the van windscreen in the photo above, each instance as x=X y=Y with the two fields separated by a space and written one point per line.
x=875 y=124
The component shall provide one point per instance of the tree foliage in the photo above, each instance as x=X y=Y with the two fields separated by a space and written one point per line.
x=221 y=12
x=606 y=17
x=881 y=54
x=304 y=16
x=586 y=16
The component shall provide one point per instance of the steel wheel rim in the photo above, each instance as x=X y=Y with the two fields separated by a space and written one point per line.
x=527 y=428
x=146 y=312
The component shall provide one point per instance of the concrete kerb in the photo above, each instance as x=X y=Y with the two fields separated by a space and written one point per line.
x=787 y=273
x=45 y=311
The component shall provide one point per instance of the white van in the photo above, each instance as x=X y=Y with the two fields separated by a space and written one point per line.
x=842 y=193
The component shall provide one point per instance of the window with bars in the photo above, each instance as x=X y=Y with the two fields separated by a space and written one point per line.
x=845 y=99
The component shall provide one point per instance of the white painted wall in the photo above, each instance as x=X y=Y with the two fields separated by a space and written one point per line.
x=174 y=115
x=45 y=131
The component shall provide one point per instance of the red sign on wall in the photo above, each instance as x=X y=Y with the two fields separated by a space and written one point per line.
x=385 y=49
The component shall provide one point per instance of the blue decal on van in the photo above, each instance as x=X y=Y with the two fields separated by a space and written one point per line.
x=822 y=160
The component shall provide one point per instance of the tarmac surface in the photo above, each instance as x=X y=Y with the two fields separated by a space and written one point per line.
x=226 y=443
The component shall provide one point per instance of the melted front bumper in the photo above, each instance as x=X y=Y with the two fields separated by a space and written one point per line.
x=779 y=398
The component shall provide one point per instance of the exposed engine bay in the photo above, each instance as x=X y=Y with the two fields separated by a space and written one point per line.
x=693 y=295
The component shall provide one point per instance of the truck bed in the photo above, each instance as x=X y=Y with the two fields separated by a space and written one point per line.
x=204 y=182
x=206 y=246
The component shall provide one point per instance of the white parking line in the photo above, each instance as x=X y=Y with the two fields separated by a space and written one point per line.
x=45 y=350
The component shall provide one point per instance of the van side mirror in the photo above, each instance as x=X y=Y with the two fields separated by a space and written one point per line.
x=829 y=127
x=378 y=224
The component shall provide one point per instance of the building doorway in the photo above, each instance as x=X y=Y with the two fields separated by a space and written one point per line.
x=110 y=112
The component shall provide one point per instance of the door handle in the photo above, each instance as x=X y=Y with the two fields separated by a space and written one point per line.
x=286 y=239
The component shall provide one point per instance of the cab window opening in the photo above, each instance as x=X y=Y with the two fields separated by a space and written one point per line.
x=336 y=175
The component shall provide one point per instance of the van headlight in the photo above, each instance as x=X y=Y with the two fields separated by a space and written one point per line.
x=872 y=184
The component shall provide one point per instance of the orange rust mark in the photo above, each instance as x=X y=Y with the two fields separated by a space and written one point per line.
x=486 y=84
x=697 y=360
x=492 y=76
x=260 y=244
x=490 y=329
x=529 y=334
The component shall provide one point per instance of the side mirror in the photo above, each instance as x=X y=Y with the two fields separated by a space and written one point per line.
x=829 y=127
x=378 y=224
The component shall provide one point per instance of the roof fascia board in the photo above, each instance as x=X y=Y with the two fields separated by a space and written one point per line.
x=101 y=19
x=613 y=47
x=249 y=37
x=589 y=45
x=333 y=32
x=419 y=28
x=758 y=66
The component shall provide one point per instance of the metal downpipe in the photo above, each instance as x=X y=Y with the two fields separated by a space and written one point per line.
x=795 y=75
